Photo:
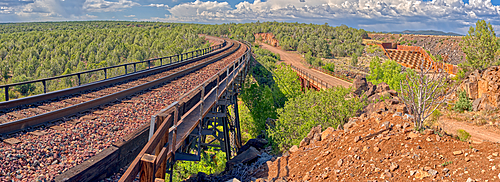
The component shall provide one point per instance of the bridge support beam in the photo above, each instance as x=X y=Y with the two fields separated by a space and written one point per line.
x=219 y=129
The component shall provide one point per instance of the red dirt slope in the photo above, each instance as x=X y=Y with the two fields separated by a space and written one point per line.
x=368 y=150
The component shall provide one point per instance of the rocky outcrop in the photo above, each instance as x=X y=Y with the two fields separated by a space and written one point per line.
x=483 y=87
x=267 y=38
x=380 y=97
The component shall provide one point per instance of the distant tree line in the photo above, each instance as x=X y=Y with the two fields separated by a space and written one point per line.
x=321 y=40
x=30 y=51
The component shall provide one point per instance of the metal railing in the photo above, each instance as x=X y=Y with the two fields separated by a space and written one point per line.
x=314 y=81
x=171 y=59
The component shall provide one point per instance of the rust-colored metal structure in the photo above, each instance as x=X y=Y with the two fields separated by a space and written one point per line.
x=414 y=56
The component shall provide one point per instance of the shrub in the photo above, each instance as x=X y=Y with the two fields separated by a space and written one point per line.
x=435 y=115
x=354 y=60
x=329 y=108
x=463 y=135
x=212 y=162
x=316 y=62
x=329 y=67
x=463 y=102
x=388 y=72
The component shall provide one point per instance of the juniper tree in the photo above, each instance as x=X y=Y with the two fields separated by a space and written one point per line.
x=479 y=46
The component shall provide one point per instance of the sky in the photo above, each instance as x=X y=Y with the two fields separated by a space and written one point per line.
x=372 y=15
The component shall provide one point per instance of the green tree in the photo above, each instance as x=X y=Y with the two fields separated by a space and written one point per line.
x=479 y=46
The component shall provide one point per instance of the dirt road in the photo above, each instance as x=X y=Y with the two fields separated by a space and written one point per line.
x=296 y=60
x=478 y=133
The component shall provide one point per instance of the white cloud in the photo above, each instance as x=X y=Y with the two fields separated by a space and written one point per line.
x=158 y=5
x=107 y=6
x=199 y=9
x=129 y=16
x=370 y=14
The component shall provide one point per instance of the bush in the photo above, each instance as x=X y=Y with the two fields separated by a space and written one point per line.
x=435 y=115
x=316 y=62
x=463 y=102
x=388 y=72
x=265 y=90
x=463 y=135
x=328 y=108
x=354 y=60
x=329 y=67
x=212 y=162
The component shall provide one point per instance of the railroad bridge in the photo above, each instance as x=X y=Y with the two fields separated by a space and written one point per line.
x=147 y=119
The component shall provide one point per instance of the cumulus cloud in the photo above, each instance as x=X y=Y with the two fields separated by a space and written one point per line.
x=158 y=5
x=198 y=10
x=370 y=14
x=108 y=6
x=129 y=16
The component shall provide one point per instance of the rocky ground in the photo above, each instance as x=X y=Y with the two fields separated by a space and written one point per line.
x=381 y=145
x=437 y=45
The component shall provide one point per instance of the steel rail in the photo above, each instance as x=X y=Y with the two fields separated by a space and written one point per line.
x=41 y=97
x=44 y=118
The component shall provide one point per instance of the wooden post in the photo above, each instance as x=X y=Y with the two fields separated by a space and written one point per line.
x=160 y=173
x=147 y=168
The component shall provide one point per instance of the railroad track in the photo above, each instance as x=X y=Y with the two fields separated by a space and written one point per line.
x=25 y=117
x=44 y=153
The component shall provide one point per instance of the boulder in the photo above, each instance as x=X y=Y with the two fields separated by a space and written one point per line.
x=304 y=142
x=233 y=180
x=199 y=177
x=326 y=133
x=482 y=87
x=471 y=88
x=257 y=143
x=294 y=149
x=245 y=157
x=374 y=98
x=349 y=124
x=359 y=84
x=476 y=104
x=382 y=87
x=393 y=93
x=313 y=131
x=371 y=89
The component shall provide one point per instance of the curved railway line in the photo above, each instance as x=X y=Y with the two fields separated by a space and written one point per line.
x=94 y=120
x=24 y=117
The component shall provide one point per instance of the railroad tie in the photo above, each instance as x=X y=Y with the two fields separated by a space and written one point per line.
x=15 y=115
x=36 y=111
x=38 y=133
x=70 y=102
x=57 y=127
x=3 y=120
x=99 y=112
x=47 y=108
x=12 y=141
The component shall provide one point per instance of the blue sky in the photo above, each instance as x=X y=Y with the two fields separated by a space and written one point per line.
x=374 y=15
